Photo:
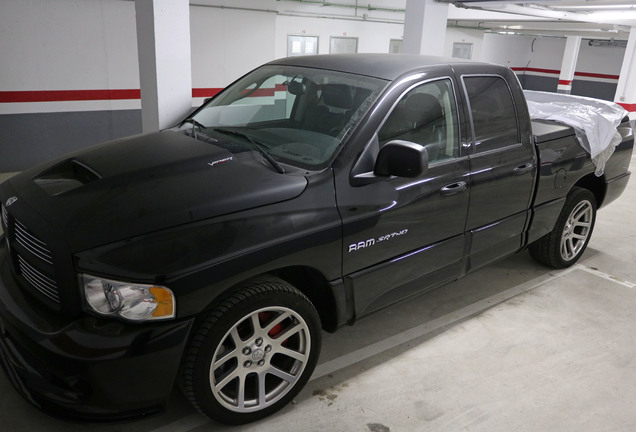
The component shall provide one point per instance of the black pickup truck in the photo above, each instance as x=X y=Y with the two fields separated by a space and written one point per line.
x=309 y=193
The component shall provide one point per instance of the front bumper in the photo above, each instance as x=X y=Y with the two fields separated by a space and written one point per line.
x=85 y=368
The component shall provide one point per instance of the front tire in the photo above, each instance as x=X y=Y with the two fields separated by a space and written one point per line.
x=566 y=243
x=252 y=353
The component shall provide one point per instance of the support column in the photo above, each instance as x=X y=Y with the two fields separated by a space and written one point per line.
x=568 y=66
x=626 y=89
x=163 y=43
x=425 y=27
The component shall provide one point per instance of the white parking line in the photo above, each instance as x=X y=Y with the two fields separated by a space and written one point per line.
x=432 y=326
x=599 y=273
x=193 y=421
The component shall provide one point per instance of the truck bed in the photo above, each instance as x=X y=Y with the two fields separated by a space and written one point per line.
x=549 y=130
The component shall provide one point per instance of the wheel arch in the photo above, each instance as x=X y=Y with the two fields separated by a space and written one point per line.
x=308 y=280
x=594 y=184
x=314 y=285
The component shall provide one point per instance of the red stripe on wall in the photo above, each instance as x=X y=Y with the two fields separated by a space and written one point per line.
x=122 y=94
x=264 y=92
x=67 y=95
x=596 y=75
x=558 y=72
x=205 y=92
x=86 y=95
x=565 y=82
x=529 y=69
x=628 y=107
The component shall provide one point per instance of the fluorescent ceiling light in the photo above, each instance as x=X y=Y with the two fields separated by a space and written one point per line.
x=596 y=7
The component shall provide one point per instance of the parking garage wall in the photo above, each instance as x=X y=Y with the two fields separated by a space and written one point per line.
x=537 y=62
x=69 y=75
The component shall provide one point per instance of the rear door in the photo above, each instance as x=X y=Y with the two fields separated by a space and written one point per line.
x=397 y=230
x=502 y=167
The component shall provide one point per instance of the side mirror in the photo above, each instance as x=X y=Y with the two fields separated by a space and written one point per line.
x=401 y=159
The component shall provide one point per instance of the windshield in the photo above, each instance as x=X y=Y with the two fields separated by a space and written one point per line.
x=298 y=116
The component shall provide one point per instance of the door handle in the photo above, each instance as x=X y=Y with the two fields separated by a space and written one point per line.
x=453 y=188
x=522 y=169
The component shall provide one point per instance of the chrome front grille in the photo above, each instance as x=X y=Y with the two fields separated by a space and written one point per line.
x=39 y=280
x=32 y=259
x=32 y=243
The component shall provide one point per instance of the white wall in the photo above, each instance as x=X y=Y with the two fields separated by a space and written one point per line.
x=228 y=43
x=601 y=60
x=476 y=37
x=68 y=44
x=547 y=52
x=507 y=50
x=372 y=37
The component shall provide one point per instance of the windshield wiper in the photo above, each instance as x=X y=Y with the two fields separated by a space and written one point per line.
x=261 y=148
x=194 y=124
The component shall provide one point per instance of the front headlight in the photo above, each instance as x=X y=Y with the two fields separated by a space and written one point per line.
x=130 y=301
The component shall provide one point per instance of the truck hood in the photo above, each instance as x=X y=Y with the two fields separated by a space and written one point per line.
x=146 y=183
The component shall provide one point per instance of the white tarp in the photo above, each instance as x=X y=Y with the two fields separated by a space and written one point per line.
x=594 y=121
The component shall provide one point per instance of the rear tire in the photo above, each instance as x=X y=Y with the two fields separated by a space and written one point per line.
x=566 y=243
x=252 y=353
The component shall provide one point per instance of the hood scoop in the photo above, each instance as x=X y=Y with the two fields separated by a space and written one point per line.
x=66 y=176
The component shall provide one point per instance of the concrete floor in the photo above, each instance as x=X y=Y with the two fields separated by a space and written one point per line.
x=512 y=347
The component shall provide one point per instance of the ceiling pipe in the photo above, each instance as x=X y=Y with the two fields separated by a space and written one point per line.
x=612 y=43
x=339 y=17
x=244 y=9
x=369 y=7
x=544 y=11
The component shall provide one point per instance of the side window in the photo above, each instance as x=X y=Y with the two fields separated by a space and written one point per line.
x=426 y=115
x=493 y=112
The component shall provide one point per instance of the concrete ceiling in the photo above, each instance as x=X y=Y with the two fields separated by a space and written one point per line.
x=605 y=19
x=598 y=19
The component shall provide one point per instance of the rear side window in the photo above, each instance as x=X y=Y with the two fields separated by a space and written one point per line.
x=493 y=112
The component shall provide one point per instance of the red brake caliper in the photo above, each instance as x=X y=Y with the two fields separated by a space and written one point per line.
x=264 y=317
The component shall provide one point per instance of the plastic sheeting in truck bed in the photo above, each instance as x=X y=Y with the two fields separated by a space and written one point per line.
x=594 y=121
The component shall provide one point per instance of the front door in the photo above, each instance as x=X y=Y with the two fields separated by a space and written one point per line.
x=397 y=230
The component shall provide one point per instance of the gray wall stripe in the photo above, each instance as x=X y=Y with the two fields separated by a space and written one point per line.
x=28 y=139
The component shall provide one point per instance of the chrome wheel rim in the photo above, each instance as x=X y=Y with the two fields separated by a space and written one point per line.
x=260 y=359
x=576 y=231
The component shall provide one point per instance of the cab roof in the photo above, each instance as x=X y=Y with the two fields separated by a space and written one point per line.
x=384 y=66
